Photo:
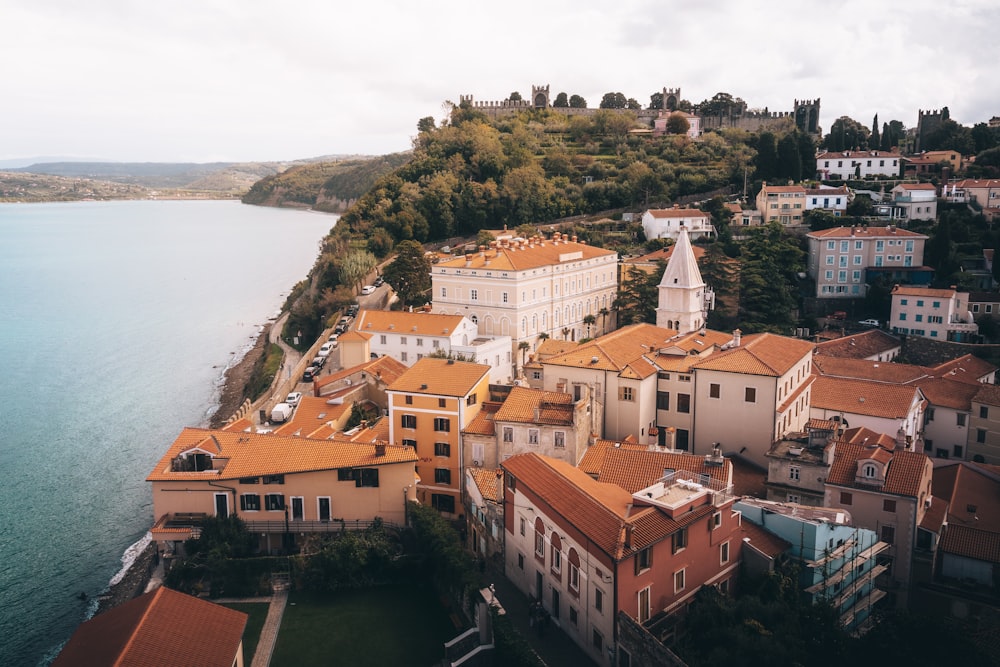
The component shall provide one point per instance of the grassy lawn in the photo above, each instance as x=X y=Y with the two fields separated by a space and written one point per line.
x=258 y=613
x=380 y=626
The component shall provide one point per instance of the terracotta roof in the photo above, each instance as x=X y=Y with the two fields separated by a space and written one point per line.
x=988 y=394
x=865 y=369
x=615 y=350
x=916 y=186
x=311 y=414
x=864 y=436
x=794 y=189
x=875 y=399
x=553 y=346
x=759 y=354
x=977 y=183
x=535 y=406
x=967 y=368
x=904 y=472
x=385 y=368
x=487 y=480
x=525 y=256
x=677 y=213
x=864 y=233
x=443 y=377
x=859 y=346
x=906 y=290
x=162 y=627
x=936 y=514
x=256 y=454
x=593 y=459
x=842 y=190
x=663 y=255
x=352 y=335
x=483 y=424
x=763 y=540
x=837 y=155
x=949 y=393
x=634 y=470
x=405 y=323
x=971 y=543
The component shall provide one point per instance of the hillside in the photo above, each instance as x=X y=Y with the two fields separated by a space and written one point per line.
x=31 y=188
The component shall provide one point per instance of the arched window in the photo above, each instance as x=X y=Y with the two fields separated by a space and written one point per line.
x=574 y=572
x=555 y=561
x=869 y=471
x=539 y=539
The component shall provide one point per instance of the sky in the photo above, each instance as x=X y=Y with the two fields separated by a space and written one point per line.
x=246 y=80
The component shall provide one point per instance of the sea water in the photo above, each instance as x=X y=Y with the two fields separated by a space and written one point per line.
x=117 y=322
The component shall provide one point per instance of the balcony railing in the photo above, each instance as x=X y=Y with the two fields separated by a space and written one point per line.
x=298 y=526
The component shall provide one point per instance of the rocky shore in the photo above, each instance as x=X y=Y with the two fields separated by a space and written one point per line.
x=233 y=391
x=133 y=583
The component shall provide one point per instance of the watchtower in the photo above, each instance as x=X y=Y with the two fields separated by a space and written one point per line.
x=671 y=98
x=540 y=97
x=807 y=115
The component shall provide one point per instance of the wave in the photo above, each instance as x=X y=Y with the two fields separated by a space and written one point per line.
x=130 y=556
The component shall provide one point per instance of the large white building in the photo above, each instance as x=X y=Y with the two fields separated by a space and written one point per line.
x=933 y=313
x=841 y=258
x=857 y=164
x=667 y=223
x=526 y=287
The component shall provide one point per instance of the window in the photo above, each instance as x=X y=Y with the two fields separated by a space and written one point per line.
x=793 y=472
x=573 y=616
x=250 y=502
x=520 y=561
x=888 y=534
x=403 y=356
x=408 y=399
x=980 y=435
x=956 y=451
x=574 y=574
x=539 y=546
x=715 y=520
x=523 y=523
x=598 y=599
x=402 y=340
x=442 y=402
x=442 y=449
x=442 y=476
x=381 y=339
x=508 y=434
x=435 y=344
x=792 y=498
x=443 y=503
x=274 y=501
x=846 y=498
x=750 y=395
x=442 y=424
x=644 y=560
x=723 y=553
x=960 y=418
x=625 y=394
x=444 y=292
x=559 y=439
x=679 y=540
x=889 y=505
x=556 y=559
x=249 y=480
x=471 y=399
x=597 y=640
x=679 y=581
x=532 y=436
x=504 y=297
x=274 y=479
x=869 y=471
x=408 y=421
x=474 y=294
x=663 y=400
x=684 y=403
x=714 y=390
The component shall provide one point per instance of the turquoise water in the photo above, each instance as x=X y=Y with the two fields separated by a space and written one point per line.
x=117 y=321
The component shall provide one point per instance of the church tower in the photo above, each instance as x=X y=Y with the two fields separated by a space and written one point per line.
x=684 y=300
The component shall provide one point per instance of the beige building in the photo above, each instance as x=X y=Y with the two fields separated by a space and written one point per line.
x=251 y=475
x=429 y=407
x=984 y=427
x=842 y=260
x=933 y=313
x=782 y=203
x=526 y=287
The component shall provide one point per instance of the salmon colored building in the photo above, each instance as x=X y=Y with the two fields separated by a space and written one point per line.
x=429 y=407
x=282 y=487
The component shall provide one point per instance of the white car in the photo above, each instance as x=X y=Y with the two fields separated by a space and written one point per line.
x=326 y=349
x=869 y=323
x=293 y=398
x=367 y=289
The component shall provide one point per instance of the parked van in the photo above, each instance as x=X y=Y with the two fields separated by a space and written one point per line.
x=281 y=413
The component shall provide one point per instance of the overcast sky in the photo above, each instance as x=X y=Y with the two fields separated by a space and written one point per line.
x=246 y=80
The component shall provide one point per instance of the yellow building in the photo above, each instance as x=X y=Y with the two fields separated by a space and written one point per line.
x=278 y=485
x=429 y=407
x=783 y=203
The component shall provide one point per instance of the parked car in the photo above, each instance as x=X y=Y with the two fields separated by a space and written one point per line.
x=869 y=323
x=310 y=374
x=352 y=310
x=318 y=362
x=838 y=315
x=293 y=398
x=326 y=349
x=334 y=339
x=339 y=329
x=367 y=289
x=379 y=281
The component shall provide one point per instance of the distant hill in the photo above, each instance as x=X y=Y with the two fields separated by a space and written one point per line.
x=325 y=185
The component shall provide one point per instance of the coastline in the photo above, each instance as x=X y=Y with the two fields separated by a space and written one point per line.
x=235 y=380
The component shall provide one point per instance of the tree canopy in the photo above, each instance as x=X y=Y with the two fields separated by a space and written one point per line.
x=409 y=273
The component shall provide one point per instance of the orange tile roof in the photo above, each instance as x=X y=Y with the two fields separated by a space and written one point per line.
x=916 y=186
x=904 y=473
x=967 y=368
x=763 y=540
x=257 y=454
x=487 y=480
x=417 y=323
x=593 y=459
x=553 y=346
x=971 y=543
x=386 y=369
x=792 y=189
x=483 y=423
x=535 y=406
x=525 y=256
x=759 y=354
x=351 y=335
x=977 y=183
x=864 y=232
x=312 y=413
x=949 y=393
x=663 y=255
x=905 y=290
x=842 y=190
x=864 y=436
x=615 y=350
x=677 y=213
x=859 y=346
x=443 y=377
x=988 y=394
x=634 y=470
x=866 y=369
x=162 y=627
x=875 y=399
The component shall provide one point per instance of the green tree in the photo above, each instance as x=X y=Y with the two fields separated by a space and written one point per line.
x=590 y=321
x=656 y=100
x=613 y=101
x=789 y=158
x=875 y=141
x=950 y=136
x=409 y=273
x=577 y=102
x=846 y=134
x=721 y=104
x=771 y=261
x=766 y=162
x=985 y=137
x=633 y=104
x=524 y=346
x=638 y=295
x=426 y=124
x=677 y=124
x=561 y=101
x=356 y=266
x=514 y=97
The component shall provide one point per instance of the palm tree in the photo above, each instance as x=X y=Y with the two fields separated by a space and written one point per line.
x=524 y=346
x=589 y=320
x=604 y=312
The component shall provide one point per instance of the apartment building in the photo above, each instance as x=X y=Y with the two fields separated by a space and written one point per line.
x=782 y=203
x=983 y=444
x=915 y=201
x=666 y=223
x=825 y=198
x=934 y=313
x=429 y=407
x=841 y=165
x=526 y=287
x=844 y=260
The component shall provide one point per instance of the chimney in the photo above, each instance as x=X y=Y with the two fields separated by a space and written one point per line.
x=901 y=438
x=737 y=337
x=669 y=440
x=379 y=449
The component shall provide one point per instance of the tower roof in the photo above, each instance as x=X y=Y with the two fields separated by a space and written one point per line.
x=682 y=269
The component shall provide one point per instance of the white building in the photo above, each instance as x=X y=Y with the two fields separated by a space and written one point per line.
x=935 y=313
x=826 y=198
x=667 y=223
x=841 y=259
x=915 y=201
x=409 y=337
x=526 y=287
x=857 y=164
x=684 y=299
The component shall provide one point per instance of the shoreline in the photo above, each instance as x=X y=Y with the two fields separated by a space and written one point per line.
x=232 y=394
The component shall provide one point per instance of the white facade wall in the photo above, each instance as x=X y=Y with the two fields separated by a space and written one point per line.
x=621 y=417
x=832 y=201
x=852 y=163
x=668 y=227
x=931 y=316
x=947 y=429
